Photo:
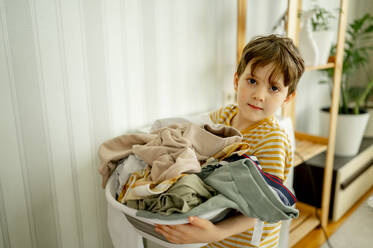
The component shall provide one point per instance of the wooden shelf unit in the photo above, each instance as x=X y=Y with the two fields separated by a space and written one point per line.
x=308 y=146
x=320 y=67
x=305 y=223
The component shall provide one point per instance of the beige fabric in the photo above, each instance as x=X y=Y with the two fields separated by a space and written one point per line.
x=170 y=151
x=234 y=148
x=140 y=186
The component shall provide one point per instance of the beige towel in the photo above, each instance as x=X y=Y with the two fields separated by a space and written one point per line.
x=170 y=151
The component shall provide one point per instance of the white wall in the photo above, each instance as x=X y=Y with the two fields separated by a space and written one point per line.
x=74 y=73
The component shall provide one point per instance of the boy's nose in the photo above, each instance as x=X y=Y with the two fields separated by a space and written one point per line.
x=259 y=94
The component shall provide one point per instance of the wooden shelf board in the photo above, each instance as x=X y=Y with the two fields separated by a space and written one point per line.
x=304 y=224
x=320 y=67
x=308 y=146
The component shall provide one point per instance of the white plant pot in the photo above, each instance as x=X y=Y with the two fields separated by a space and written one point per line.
x=349 y=133
x=323 y=40
x=369 y=128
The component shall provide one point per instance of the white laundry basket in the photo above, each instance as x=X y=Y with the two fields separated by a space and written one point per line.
x=145 y=227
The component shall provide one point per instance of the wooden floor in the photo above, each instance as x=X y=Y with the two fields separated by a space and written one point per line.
x=316 y=238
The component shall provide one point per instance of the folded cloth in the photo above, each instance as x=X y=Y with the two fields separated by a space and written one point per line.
x=187 y=193
x=125 y=168
x=241 y=186
x=140 y=186
x=274 y=182
x=286 y=196
x=170 y=151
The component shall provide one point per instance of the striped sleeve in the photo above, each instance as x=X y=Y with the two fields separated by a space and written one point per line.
x=274 y=153
x=214 y=116
x=223 y=115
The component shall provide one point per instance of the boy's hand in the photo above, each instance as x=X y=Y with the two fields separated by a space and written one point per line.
x=197 y=231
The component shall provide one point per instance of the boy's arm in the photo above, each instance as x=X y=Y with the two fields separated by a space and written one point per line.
x=204 y=231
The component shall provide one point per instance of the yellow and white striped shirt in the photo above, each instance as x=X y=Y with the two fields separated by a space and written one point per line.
x=271 y=145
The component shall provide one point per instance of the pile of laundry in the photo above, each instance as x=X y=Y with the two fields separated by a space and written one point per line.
x=186 y=169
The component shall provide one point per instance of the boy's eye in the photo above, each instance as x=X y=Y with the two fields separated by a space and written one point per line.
x=251 y=81
x=274 y=88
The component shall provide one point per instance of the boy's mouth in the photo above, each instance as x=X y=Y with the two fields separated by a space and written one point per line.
x=254 y=107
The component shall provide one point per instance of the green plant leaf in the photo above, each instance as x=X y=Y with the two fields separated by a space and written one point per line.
x=358 y=43
x=321 y=17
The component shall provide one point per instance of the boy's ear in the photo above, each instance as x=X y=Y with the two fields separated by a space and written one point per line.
x=289 y=97
x=235 y=81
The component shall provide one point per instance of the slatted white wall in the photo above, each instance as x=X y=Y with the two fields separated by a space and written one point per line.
x=74 y=73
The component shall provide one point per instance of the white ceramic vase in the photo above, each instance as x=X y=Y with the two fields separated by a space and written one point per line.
x=349 y=133
x=307 y=44
x=323 y=40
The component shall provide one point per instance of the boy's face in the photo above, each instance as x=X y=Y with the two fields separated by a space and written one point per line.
x=257 y=97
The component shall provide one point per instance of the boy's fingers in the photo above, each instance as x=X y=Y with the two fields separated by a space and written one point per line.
x=168 y=236
x=171 y=231
x=198 y=222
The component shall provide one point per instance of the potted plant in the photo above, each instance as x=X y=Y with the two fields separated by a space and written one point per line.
x=352 y=118
x=316 y=36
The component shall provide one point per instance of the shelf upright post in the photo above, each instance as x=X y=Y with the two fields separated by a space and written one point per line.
x=292 y=30
x=241 y=27
x=327 y=180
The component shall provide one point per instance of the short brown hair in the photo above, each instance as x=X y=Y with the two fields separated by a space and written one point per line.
x=278 y=50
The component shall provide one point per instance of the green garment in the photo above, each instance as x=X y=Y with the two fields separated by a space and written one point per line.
x=241 y=187
x=187 y=193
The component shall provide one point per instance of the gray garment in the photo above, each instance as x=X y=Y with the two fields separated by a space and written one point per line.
x=241 y=187
x=209 y=167
x=187 y=193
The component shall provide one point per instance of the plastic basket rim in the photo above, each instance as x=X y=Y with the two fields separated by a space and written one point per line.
x=132 y=212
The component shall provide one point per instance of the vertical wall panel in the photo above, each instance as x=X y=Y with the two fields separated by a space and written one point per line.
x=4 y=238
x=4 y=233
x=71 y=66
x=195 y=33
x=150 y=57
x=162 y=62
x=16 y=221
x=27 y=79
x=226 y=22
x=134 y=55
x=15 y=205
x=206 y=79
x=180 y=102
x=81 y=127
x=54 y=80
x=114 y=65
x=97 y=104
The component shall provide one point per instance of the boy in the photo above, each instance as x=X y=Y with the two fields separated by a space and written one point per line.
x=266 y=78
